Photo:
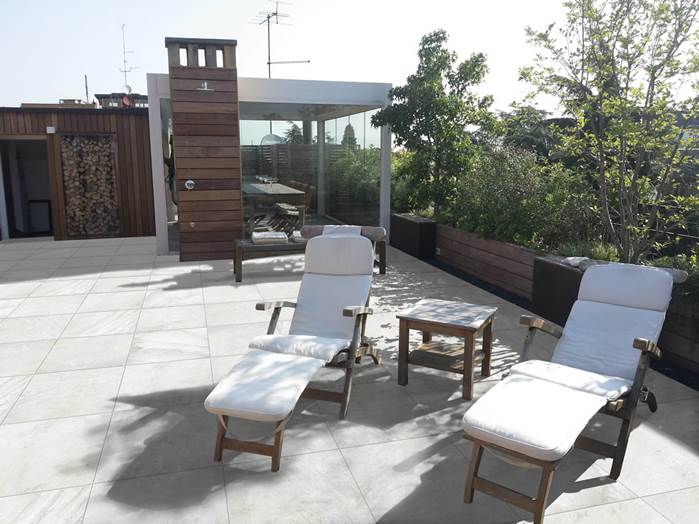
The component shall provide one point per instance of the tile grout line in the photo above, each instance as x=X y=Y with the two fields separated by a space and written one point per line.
x=55 y=341
x=109 y=424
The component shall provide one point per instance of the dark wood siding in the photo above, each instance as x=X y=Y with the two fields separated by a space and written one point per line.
x=129 y=129
x=207 y=151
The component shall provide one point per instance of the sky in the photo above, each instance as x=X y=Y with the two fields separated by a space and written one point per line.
x=54 y=43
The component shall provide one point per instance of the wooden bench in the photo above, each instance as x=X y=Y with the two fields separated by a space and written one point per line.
x=246 y=250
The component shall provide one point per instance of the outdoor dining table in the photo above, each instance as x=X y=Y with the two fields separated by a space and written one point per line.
x=264 y=193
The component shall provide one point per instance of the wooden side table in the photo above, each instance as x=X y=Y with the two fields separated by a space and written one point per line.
x=444 y=317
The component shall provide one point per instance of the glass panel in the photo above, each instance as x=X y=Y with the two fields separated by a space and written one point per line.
x=279 y=167
x=352 y=169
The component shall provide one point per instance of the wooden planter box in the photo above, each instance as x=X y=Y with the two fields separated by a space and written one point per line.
x=504 y=265
x=556 y=289
x=413 y=234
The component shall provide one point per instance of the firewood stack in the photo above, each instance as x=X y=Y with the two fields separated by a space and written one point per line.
x=89 y=185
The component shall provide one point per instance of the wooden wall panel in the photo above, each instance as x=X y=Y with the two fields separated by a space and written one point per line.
x=207 y=149
x=129 y=130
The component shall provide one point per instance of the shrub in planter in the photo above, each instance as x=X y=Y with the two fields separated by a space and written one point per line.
x=593 y=249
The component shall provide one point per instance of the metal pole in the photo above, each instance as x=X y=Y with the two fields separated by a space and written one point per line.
x=269 y=59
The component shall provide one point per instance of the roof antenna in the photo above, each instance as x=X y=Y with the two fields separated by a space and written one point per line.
x=269 y=17
x=126 y=69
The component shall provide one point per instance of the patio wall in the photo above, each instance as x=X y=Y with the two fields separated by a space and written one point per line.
x=128 y=130
x=504 y=265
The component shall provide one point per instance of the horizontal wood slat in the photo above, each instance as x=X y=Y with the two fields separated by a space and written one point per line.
x=208 y=152
x=204 y=96
x=209 y=173
x=210 y=216
x=206 y=129
x=192 y=85
x=214 y=255
x=214 y=194
x=207 y=236
x=204 y=107
x=222 y=225
x=216 y=183
x=212 y=205
x=207 y=247
x=206 y=141
x=229 y=119
x=217 y=163
x=203 y=73
x=505 y=265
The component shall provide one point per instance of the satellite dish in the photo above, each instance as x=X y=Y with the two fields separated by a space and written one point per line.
x=127 y=89
x=271 y=139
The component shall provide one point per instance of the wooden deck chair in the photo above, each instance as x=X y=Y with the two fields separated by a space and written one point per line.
x=326 y=330
x=534 y=417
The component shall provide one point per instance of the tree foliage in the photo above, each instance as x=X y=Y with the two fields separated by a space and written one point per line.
x=294 y=134
x=435 y=115
x=626 y=72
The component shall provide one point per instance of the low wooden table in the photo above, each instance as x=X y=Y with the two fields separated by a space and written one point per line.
x=444 y=317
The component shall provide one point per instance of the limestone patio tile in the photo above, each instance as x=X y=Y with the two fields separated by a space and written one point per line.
x=67 y=394
x=175 y=344
x=664 y=443
x=91 y=250
x=127 y=270
x=143 y=258
x=57 y=288
x=192 y=496
x=113 y=301
x=106 y=284
x=136 y=249
x=32 y=328
x=102 y=323
x=420 y=480
x=86 y=262
x=680 y=507
x=11 y=289
x=176 y=317
x=155 y=440
x=40 y=263
x=306 y=488
x=10 y=390
x=100 y=351
x=19 y=274
x=221 y=290
x=23 y=358
x=169 y=297
x=59 y=506
x=50 y=454
x=625 y=512
x=37 y=306
x=231 y=313
x=234 y=339
x=165 y=384
x=76 y=273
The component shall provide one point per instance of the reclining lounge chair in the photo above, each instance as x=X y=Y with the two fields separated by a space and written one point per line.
x=326 y=330
x=534 y=417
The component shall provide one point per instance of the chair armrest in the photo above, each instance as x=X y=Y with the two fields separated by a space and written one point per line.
x=266 y=306
x=647 y=346
x=355 y=311
x=541 y=324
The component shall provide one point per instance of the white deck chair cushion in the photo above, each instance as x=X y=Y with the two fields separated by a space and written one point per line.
x=342 y=230
x=262 y=386
x=628 y=285
x=534 y=417
x=339 y=255
x=609 y=387
x=599 y=337
x=304 y=345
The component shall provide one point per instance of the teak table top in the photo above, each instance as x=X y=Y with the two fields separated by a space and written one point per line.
x=446 y=313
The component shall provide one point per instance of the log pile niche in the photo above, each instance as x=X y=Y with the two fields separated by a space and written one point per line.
x=89 y=185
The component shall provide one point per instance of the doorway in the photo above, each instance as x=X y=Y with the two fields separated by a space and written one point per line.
x=24 y=168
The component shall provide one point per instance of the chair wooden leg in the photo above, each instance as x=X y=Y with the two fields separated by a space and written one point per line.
x=620 y=452
x=346 y=391
x=543 y=493
x=476 y=456
x=278 y=441
x=220 y=435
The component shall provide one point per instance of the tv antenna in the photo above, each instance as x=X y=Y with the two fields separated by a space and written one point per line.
x=269 y=18
x=126 y=68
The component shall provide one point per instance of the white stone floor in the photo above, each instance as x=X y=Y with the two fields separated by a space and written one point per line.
x=107 y=352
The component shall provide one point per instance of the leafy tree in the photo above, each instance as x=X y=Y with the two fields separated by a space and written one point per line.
x=619 y=69
x=349 y=138
x=294 y=134
x=435 y=116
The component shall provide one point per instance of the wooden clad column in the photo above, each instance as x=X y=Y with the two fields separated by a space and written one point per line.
x=207 y=146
